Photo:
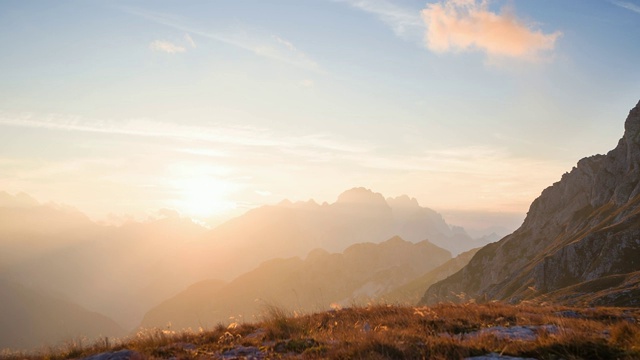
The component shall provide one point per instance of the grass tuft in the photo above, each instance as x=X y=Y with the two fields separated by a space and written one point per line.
x=381 y=331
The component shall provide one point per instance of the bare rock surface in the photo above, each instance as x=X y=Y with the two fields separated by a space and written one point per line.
x=495 y=356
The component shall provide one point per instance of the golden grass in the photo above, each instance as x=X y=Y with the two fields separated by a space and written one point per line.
x=445 y=331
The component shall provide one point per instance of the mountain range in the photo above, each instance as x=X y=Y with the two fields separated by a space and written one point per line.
x=360 y=274
x=63 y=275
x=123 y=271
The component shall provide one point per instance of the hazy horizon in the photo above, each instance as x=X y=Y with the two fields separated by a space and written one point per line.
x=169 y=150
x=215 y=108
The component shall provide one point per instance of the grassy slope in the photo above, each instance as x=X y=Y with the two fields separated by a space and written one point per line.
x=444 y=331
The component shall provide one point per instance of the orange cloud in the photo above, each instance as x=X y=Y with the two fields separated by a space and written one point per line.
x=468 y=25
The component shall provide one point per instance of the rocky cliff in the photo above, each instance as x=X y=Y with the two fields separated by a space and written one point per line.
x=580 y=241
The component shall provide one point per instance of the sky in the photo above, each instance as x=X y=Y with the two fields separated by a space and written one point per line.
x=122 y=108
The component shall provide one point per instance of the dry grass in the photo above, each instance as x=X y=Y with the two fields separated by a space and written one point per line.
x=444 y=331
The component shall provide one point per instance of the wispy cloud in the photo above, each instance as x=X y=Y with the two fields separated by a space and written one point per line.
x=190 y=41
x=469 y=25
x=239 y=136
x=398 y=18
x=271 y=47
x=166 y=46
x=480 y=174
x=627 y=5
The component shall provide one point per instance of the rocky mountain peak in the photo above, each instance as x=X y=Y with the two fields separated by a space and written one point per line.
x=583 y=227
x=632 y=125
x=632 y=139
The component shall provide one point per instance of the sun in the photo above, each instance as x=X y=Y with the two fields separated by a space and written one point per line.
x=204 y=197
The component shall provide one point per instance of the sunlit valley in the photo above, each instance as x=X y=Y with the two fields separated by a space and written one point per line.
x=349 y=179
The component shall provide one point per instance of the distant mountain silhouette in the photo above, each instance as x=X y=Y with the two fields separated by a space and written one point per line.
x=361 y=273
x=118 y=271
x=293 y=229
x=29 y=229
x=29 y=319
x=122 y=271
x=579 y=244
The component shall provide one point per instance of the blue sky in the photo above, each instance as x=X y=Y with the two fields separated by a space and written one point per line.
x=126 y=107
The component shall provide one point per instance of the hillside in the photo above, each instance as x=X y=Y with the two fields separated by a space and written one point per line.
x=29 y=319
x=411 y=293
x=579 y=244
x=476 y=332
x=361 y=273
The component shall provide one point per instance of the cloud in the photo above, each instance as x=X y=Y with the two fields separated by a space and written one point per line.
x=271 y=47
x=166 y=46
x=232 y=137
x=627 y=5
x=398 y=18
x=469 y=25
x=190 y=41
x=283 y=50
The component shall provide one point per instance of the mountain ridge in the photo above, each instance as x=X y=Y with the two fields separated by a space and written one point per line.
x=584 y=227
x=359 y=274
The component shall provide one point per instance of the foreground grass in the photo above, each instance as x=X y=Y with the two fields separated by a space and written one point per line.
x=444 y=331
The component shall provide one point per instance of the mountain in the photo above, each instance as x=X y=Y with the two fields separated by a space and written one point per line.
x=579 y=244
x=29 y=229
x=411 y=292
x=293 y=229
x=120 y=271
x=29 y=319
x=361 y=273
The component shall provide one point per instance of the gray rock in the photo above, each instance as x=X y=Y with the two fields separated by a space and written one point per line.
x=244 y=352
x=516 y=333
x=116 y=355
x=580 y=241
x=494 y=356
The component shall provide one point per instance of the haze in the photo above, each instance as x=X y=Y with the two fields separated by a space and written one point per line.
x=207 y=137
x=208 y=107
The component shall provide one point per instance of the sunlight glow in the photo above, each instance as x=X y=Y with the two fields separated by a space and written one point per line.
x=204 y=197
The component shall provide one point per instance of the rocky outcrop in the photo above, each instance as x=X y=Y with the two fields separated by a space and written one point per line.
x=583 y=228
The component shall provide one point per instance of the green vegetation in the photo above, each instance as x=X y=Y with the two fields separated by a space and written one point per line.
x=444 y=331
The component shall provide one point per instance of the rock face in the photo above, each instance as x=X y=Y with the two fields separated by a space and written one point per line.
x=580 y=241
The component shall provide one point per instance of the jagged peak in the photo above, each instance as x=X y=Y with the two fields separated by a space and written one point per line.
x=632 y=124
x=597 y=179
x=361 y=195
x=396 y=240
x=403 y=201
x=285 y=202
